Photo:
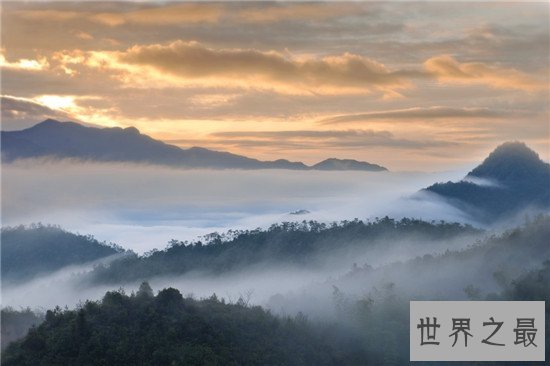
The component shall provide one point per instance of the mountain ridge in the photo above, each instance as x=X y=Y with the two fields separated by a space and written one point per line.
x=512 y=178
x=115 y=144
x=346 y=164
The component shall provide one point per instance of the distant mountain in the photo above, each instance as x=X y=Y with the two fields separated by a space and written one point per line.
x=27 y=252
x=347 y=164
x=510 y=179
x=52 y=138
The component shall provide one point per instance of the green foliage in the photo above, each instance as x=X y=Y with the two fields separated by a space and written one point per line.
x=167 y=329
x=289 y=243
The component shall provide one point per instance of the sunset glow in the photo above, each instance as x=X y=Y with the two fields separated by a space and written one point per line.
x=407 y=85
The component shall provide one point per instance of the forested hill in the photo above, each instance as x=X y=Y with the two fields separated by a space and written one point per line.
x=483 y=265
x=370 y=329
x=28 y=251
x=372 y=303
x=167 y=329
x=287 y=243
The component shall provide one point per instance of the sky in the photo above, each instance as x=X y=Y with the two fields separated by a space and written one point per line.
x=411 y=86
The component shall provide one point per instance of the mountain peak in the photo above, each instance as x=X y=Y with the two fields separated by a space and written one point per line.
x=509 y=161
x=48 y=122
x=52 y=123
x=132 y=130
x=519 y=180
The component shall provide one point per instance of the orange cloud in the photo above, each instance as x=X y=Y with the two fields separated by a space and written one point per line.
x=174 y=14
x=418 y=113
x=186 y=64
x=52 y=15
x=447 y=69
x=24 y=64
x=346 y=73
x=306 y=11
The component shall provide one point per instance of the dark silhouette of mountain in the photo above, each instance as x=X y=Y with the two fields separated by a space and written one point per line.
x=347 y=164
x=30 y=251
x=52 y=138
x=510 y=179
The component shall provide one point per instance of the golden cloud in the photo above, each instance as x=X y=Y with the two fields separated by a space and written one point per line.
x=312 y=139
x=168 y=15
x=447 y=69
x=174 y=14
x=418 y=113
x=50 y=14
x=24 y=64
x=306 y=11
x=190 y=61
x=184 y=64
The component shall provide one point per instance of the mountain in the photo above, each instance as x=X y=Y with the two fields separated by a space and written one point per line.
x=27 y=252
x=347 y=164
x=72 y=140
x=52 y=138
x=510 y=179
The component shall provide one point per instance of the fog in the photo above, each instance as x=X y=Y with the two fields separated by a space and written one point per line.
x=257 y=284
x=59 y=288
x=143 y=207
x=359 y=284
x=65 y=287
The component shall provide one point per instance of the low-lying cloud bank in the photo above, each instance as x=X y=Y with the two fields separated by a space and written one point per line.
x=142 y=207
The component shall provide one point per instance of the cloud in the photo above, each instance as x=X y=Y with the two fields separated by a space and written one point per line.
x=194 y=13
x=172 y=14
x=315 y=139
x=436 y=112
x=448 y=70
x=171 y=203
x=19 y=113
x=296 y=11
x=267 y=69
x=288 y=88
x=24 y=64
x=84 y=36
x=190 y=63
x=52 y=15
